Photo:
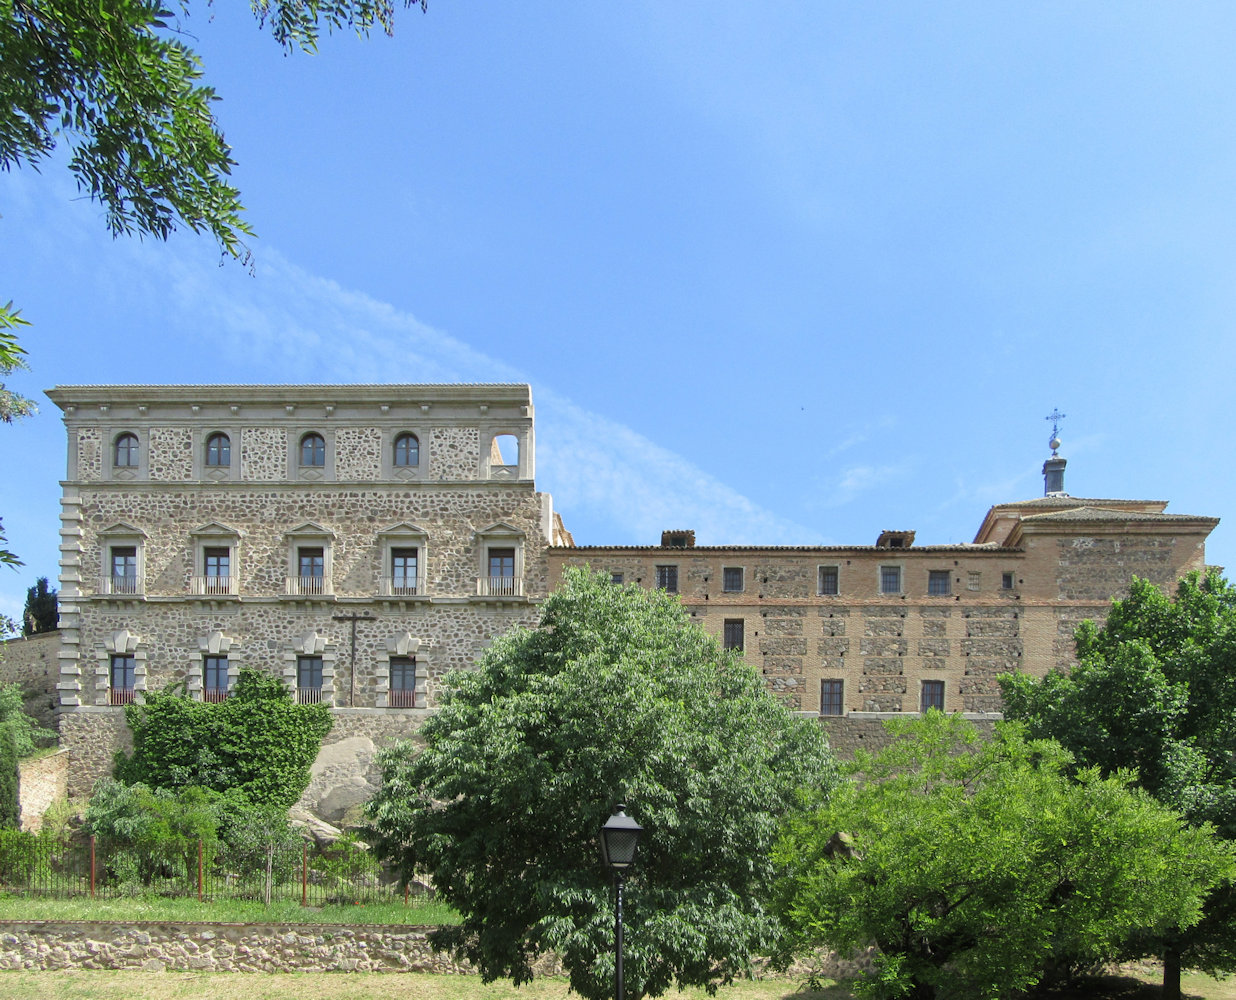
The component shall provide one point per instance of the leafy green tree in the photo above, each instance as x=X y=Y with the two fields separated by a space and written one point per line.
x=41 y=613
x=156 y=829
x=26 y=734
x=615 y=695
x=971 y=863
x=257 y=744
x=1154 y=689
x=117 y=83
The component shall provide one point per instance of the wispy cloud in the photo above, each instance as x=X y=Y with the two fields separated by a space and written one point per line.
x=308 y=328
x=858 y=479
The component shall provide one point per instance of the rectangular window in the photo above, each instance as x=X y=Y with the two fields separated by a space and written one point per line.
x=124 y=569
x=403 y=571
x=311 y=570
x=217 y=570
x=831 y=690
x=403 y=682
x=933 y=696
x=939 y=582
x=732 y=636
x=890 y=579
x=616 y=579
x=214 y=678
x=309 y=679
x=122 y=677
x=667 y=579
x=1006 y=581
x=830 y=580
x=974 y=581
x=731 y=580
x=502 y=581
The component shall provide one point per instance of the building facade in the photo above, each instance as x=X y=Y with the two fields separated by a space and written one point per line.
x=858 y=632
x=356 y=541
x=361 y=541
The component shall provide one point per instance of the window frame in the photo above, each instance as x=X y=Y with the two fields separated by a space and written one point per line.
x=401 y=439
x=119 y=694
x=832 y=693
x=667 y=577
x=310 y=536
x=733 y=634
x=882 y=579
x=316 y=442
x=821 y=571
x=499 y=536
x=215 y=665
x=932 y=685
x=1008 y=580
x=937 y=576
x=407 y=697
x=304 y=692
x=726 y=588
x=218 y=450
x=132 y=445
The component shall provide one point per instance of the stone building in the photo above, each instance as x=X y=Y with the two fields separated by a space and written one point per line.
x=852 y=633
x=357 y=541
x=360 y=541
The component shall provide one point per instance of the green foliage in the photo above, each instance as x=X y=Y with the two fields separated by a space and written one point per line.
x=156 y=830
x=25 y=733
x=342 y=864
x=24 y=856
x=257 y=744
x=10 y=809
x=1155 y=689
x=41 y=613
x=615 y=696
x=12 y=358
x=977 y=864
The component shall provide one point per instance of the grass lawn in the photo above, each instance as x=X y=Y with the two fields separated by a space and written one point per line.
x=222 y=911
x=84 y=985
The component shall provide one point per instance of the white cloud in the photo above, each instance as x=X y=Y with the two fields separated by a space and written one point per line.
x=281 y=323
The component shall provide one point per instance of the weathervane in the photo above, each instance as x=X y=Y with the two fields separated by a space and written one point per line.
x=1055 y=417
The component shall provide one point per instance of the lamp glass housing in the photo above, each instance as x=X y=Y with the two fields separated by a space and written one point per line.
x=619 y=839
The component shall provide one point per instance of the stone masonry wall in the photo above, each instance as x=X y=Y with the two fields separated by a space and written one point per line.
x=201 y=947
x=41 y=782
x=221 y=948
x=33 y=662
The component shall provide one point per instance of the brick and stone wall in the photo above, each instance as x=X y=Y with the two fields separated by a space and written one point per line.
x=34 y=663
x=41 y=781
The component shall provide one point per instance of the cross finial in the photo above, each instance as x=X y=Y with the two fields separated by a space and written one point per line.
x=1055 y=417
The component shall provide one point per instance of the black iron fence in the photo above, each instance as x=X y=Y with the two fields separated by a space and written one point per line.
x=92 y=867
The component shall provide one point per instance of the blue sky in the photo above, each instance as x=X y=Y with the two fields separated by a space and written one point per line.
x=778 y=272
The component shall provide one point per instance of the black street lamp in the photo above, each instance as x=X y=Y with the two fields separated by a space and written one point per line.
x=619 y=838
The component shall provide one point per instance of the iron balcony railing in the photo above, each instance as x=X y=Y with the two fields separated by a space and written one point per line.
x=214 y=695
x=309 y=696
x=309 y=586
x=401 y=699
x=129 y=585
x=121 y=696
x=499 y=586
x=402 y=586
x=214 y=585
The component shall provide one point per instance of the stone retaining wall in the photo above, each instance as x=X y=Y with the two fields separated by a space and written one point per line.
x=216 y=947
x=220 y=947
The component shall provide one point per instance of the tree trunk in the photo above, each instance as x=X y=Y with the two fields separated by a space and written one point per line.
x=1171 y=974
x=270 y=865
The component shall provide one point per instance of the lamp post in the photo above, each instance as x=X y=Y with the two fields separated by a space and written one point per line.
x=619 y=838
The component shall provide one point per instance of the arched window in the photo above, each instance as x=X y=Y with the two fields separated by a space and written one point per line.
x=407 y=451
x=218 y=451
x=313 y=451
x=125 y=455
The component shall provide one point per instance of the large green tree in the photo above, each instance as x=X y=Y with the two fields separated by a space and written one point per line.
x=1155 y=689
x=976 y=864
x=616 y=696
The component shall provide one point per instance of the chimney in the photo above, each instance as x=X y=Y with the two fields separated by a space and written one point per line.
x=678 y=539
